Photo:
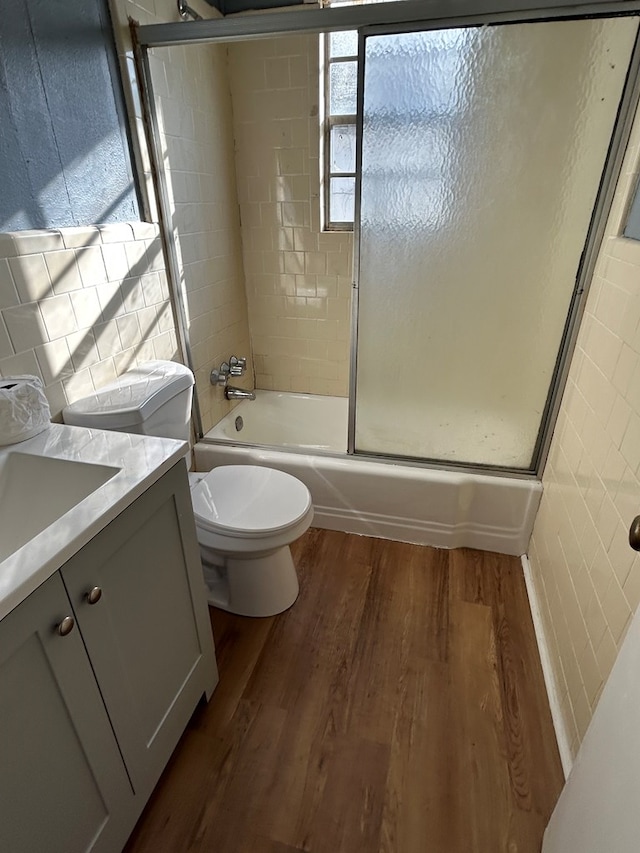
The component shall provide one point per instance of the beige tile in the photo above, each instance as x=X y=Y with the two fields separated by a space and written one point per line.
x=78 y=385
x=129 y=330
x=63 y=271
x=86 y=307
x=115 y=261
x=31 y=277
x=34 y=242
x=91 y=266
x=57 y=314
x=25 y=327
x=103 y=373
x=83 y=350
x=57 y=399
x=6 y=348
x=8 y=293
x=55 y=362
x=108 y=340
x=76 y=237
x=18 y=365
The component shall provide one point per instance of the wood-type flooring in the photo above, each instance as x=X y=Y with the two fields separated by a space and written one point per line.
x=398 y=706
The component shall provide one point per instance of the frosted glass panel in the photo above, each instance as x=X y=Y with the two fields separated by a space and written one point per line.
x=482 y=152
x=342 y=88
x=342 y=199
x=343 y=148
x=344 y=43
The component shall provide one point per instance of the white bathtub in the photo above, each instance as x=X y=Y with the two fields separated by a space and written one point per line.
x=426 y=506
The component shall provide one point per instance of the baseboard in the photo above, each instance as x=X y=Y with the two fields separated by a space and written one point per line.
x=504 y=540
x=547 y=670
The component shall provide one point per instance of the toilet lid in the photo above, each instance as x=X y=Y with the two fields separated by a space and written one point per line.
x=249 y=500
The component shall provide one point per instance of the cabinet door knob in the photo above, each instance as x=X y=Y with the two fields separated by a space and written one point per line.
x=66 y=626
x=94 y=595
x=634 y=533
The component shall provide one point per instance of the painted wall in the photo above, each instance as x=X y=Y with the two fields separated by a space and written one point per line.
x=586 y=575
x=63 y=146
x=298 y=279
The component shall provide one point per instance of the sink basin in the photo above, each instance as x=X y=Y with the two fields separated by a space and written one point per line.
x=35 y=491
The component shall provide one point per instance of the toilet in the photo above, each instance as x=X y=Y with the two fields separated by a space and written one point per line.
x=246 y=516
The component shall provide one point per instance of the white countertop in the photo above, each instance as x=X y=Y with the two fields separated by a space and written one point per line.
x=141 y=459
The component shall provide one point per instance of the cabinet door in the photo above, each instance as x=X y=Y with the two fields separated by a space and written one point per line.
x=63 y=786
x=148 y=636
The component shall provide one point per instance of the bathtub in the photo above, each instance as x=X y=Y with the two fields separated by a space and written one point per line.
x=426 y=506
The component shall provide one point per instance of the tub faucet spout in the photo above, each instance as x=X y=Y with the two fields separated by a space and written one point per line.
x=232 y=393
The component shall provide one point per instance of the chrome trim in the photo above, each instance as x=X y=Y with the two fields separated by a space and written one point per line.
x=439 y=13
x=185 y=11
x=168 y=236
x=403 y=461
x=233 y=393
x=357 y=232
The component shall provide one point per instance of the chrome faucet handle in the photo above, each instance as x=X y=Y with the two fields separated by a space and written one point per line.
x=220 y=376
x=237 y=366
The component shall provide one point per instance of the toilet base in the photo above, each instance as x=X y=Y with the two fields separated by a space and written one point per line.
x=256 y=586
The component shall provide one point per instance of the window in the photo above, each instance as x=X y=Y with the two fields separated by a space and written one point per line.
x=340 y=79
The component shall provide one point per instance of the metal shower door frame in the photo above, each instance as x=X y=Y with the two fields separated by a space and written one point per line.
x=377 y=19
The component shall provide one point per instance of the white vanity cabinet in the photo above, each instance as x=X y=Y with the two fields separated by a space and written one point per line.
x=89 y=718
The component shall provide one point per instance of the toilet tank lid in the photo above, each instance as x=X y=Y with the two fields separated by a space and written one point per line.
x=132 y=398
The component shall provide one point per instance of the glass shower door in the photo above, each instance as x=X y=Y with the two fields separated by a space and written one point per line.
x=482 y=151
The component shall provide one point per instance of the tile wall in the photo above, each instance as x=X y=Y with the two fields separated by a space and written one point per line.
x=586 y=575
x=79 y=306
x=194 y=104
x=298 y=278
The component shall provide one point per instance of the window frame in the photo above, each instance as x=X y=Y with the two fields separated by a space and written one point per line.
x=329 y=122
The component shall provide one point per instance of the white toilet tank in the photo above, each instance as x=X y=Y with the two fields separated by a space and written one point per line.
x=151 y=399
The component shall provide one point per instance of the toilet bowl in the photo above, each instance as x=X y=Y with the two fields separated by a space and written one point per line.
x=246 y=516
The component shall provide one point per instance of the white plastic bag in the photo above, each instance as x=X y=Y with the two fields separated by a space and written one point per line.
x=24 y=409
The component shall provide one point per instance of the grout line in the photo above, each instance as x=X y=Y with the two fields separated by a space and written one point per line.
x=547 y=670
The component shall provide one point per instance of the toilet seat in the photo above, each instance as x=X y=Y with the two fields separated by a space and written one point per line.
x=249 y=501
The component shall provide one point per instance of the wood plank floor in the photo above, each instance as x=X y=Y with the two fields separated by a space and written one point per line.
x=399 y=706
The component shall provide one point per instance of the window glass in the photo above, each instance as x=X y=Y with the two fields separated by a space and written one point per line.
x=343 y=78
x=343 y=44
x=342 y=199
x=339 y=129
x=343 y=148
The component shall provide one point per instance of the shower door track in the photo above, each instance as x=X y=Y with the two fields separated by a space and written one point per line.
x=406 y=15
